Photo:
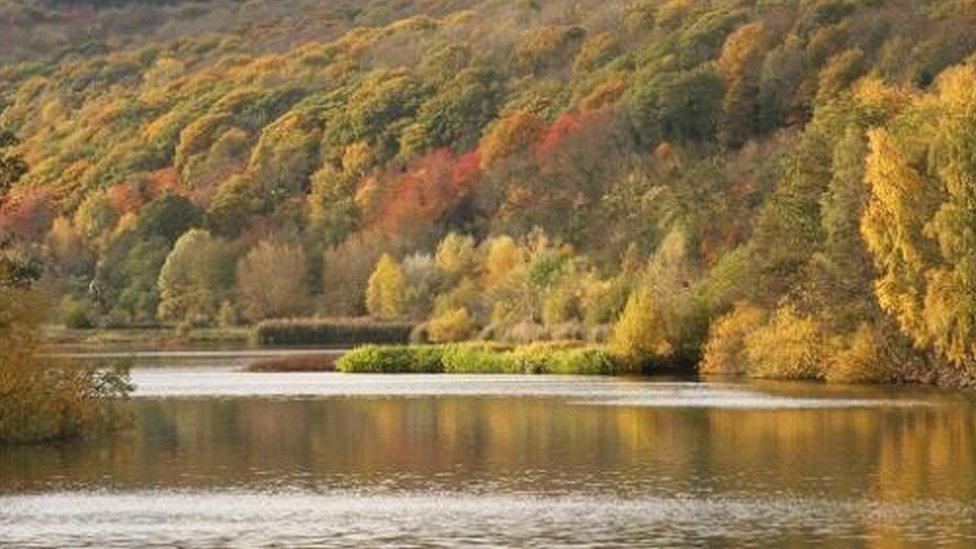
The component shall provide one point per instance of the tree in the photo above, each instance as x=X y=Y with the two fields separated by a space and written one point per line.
x=12 y=166
x=740 y=64
x=644 y=329
x=920 y=217
x=271 y=281
x=678 y=106
x=385 y=291
x=196 y=278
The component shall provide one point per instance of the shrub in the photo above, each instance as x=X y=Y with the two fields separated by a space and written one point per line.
x=476 y=359
x=74 y=313
x=586 y=361
x=790 y=346
x=392 y=359
x=863 y=360
x=44 y=400
x=453 y=325
x=725 y=351
x=644 y=328
x=544 y=358
x=312 y=331
x=419 y=334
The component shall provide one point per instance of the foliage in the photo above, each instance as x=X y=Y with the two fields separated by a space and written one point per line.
x=451 y=325
x=479 y=358
x=789 y=346
x=385 y=290
x=725 y=352
x=338 y=332
x=270 y=281
x=567 y=167
x=41 y=399
x=195 y=279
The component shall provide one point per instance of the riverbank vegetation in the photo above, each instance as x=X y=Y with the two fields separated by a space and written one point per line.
x=42 y=399
x=773 y=189
x=331 y=332
x=474 y=358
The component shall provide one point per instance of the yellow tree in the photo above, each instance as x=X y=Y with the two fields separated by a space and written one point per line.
x=920 y=219
x=385 y=292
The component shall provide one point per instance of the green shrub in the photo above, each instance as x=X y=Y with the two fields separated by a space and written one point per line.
x=74 y=313
x=476 y=359
x=424 y=359
x=586 y=361
x=554 y=358
x=331 y=332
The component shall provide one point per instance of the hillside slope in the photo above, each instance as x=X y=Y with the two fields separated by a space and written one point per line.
x=793 y=178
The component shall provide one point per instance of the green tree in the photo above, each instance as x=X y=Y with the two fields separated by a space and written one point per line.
x=196 y=278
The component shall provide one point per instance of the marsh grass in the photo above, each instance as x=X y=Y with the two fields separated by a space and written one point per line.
x=324 y=362
x=313 y=331
x=479 y=358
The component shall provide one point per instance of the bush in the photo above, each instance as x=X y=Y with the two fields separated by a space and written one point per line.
x=74 y=313
x=392 y=359
x=550 y=358
x=863 y=360
x=476 y=359
x=725 y=351
x=41 y=400
x=312 y=331
x=790 y=346
x=453 y=325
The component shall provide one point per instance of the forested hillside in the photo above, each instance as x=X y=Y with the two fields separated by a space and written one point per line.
x=782 y=188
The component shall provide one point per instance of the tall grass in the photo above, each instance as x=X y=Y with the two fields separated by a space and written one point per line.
x=336 y=332
x=482 y=359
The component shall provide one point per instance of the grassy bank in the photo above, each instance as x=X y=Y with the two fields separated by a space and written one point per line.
x=550 y=358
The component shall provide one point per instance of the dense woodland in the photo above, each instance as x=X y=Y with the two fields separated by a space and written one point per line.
x=780 y=188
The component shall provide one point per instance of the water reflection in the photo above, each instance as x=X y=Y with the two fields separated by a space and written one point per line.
x=435 y=466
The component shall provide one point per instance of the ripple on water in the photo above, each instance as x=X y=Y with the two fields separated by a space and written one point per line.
x=254 y=518
x=579 y=390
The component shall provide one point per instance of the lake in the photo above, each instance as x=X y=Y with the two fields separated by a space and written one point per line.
x=221 y=457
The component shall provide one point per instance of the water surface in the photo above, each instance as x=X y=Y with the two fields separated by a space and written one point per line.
x=221 y=457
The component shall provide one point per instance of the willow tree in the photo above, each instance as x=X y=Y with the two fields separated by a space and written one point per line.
x=920 y=223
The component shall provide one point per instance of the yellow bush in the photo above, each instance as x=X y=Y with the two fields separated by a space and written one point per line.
x=864 y=360
x=452 y=325
x=790 y=346
x=643 y=329
x=725 y=351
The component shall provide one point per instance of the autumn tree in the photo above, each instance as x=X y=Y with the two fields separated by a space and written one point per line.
x=271 y=281
x=196 y=278
x=385 y=291
x=920 y=218
x=740 y=64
